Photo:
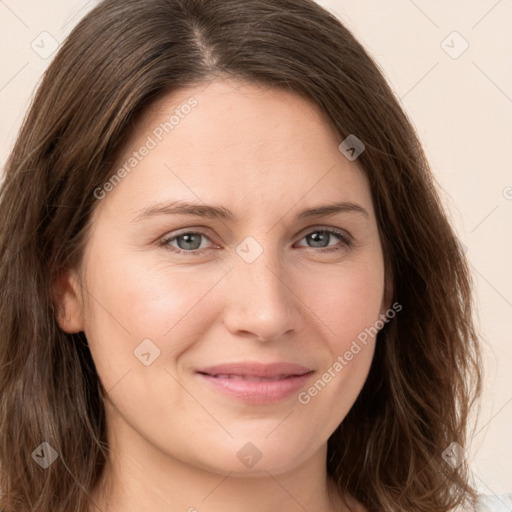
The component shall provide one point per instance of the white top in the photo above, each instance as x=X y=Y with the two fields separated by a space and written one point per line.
x=494 y=503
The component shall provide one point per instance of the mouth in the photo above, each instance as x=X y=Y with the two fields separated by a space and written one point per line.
x=256 y=383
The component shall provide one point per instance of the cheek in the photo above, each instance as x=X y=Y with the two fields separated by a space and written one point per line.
x=129 y=302
x=349 y=306
x=347 y=301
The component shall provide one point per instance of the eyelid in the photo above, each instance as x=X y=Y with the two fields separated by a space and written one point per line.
x=340 y=232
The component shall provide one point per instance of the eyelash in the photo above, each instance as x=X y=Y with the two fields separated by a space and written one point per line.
x=347 y=242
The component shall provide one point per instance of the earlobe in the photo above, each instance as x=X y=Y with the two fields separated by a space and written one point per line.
x=65 y=289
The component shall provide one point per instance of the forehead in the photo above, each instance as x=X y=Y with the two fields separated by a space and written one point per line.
x=232 y=142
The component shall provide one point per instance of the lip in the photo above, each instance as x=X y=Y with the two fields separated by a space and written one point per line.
x=256 y=383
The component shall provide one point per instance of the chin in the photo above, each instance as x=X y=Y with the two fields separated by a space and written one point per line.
x=256 y=458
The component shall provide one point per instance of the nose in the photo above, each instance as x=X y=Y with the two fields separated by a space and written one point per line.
x=260 y=300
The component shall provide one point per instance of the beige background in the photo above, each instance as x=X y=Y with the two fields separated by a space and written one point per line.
x=461 y=106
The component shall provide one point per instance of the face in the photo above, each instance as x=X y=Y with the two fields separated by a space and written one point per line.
x=224 y=309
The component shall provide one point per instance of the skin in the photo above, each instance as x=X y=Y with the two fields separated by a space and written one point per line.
x=265 y=154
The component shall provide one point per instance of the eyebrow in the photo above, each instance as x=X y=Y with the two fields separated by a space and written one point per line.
x=220 y=212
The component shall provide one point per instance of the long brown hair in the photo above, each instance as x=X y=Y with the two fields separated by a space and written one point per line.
x=124 y=55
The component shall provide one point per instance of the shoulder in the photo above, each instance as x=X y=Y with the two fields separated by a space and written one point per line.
x=492 y=503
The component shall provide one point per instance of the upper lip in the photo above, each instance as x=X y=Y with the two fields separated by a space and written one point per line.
x=254 y=369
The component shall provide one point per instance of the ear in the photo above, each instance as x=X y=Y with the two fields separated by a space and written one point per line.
x=67 y=298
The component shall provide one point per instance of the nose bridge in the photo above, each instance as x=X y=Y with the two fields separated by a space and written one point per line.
x=260 y=300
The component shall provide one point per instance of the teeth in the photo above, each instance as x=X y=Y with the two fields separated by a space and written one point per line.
x=249 y=377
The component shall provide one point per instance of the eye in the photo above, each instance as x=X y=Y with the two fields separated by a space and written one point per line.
x=320 y=239
x=190 y=242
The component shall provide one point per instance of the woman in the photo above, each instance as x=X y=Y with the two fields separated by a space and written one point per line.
x=228 y=282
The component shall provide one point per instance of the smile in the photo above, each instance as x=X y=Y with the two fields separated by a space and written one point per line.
x=256 y=383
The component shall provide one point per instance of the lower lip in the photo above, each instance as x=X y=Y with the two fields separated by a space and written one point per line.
x=258 y=392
